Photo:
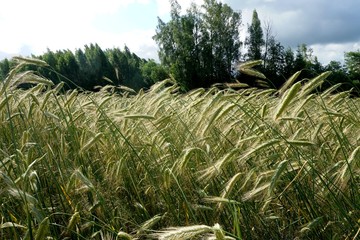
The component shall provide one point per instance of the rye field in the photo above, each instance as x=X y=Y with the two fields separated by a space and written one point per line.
x=158 y=164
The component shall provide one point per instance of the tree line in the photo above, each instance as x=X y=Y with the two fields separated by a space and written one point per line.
x=93 y=67
x=202 y=47
x=279 y=63
x=198 y=48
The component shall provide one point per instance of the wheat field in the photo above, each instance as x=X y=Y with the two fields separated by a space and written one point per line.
x=208 y=164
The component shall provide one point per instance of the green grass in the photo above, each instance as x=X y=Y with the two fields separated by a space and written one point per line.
x=221 y=164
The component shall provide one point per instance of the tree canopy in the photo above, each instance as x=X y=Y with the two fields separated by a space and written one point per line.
x=255 y=40
x=91 y=67
x=198 y=47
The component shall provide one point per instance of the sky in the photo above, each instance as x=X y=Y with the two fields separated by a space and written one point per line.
x=329 y=27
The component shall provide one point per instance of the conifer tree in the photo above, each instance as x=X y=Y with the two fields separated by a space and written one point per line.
x=255 y=40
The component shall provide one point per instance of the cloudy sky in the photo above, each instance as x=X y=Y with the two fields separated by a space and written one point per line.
x=330 y=27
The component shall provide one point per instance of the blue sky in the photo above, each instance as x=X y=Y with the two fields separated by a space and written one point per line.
x=330 y=27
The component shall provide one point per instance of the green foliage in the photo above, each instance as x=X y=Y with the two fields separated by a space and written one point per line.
x=200 y=47
x=255 y=40
x=128 y=68
x=352 y=61
x=92 y=67
x=153 y=72
x=4 y=68
x=98 y=66
x=275 y=63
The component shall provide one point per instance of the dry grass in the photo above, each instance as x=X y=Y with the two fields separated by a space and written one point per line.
x=119 y=166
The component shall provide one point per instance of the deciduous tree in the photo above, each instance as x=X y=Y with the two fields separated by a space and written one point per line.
x=352 y=61
x=200 y=47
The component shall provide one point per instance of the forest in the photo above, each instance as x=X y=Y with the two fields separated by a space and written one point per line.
x=198 y=49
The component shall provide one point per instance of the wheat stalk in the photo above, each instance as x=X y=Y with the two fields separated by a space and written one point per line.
x=286 y=100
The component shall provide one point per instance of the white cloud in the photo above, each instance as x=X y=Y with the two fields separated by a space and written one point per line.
x=326 y=26
x=135 y=39
x=163 y=7
x=41 y=24
x=33 y=26
x=333 y=52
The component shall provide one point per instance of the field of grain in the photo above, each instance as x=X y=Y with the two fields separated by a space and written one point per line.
x=209 y=164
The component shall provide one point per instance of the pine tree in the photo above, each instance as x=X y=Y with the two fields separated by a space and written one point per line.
x=255 y=40
x=275 y=59
x=289 y=62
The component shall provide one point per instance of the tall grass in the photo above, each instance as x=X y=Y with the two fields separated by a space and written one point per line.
x=214 y=164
